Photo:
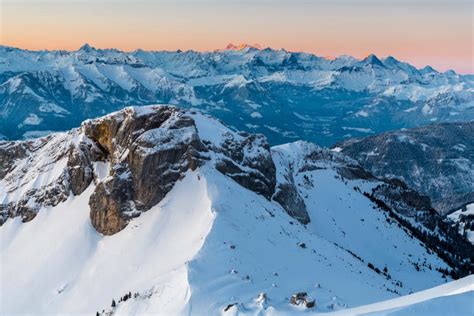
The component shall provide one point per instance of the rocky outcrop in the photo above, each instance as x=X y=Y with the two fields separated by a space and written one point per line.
x=145 y=150
x=9 y=152
x=302 y=299
x=299 y=157
x=79 y=165
x=111 y=204
x=149 y=151
x=22 y=188
x=151 y=148
x=289 y=198
x=32 y=200
x=248 y=161
x=158 y=159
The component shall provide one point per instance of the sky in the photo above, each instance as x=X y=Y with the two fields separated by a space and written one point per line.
x=423 y=32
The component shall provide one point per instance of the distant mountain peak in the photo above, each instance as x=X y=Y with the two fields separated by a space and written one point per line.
x=391 y=60
x=241 y=46
x=428 y=69
x=373 y=60
x=87 y=48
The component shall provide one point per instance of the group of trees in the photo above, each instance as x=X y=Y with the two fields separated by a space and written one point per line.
x=455 y=250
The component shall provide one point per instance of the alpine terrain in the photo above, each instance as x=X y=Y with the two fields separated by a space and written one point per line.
x=437 y=160
x=323 y=100
x=160 y=210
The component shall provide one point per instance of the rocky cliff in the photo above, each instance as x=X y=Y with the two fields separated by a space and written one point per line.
x=144 y=152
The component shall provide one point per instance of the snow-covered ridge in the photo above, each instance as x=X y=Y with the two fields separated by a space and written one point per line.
x=164 y=211
x=145 y=150
x=129 y=69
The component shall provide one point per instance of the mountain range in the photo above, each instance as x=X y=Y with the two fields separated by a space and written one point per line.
x=323 y=100
x=162 y=210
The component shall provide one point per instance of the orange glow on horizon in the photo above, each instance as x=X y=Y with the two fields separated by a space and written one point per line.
x=440 y=36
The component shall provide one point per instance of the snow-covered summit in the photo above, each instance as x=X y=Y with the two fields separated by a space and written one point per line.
x=241 y=46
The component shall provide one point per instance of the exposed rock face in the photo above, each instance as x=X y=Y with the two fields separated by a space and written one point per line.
x=23 y=171
x=249 y=162
x=158 y=158
x=146 y=150
x=111 y=204
x=9 y=152
x=22 y=189
x=149 y=151
x=301 y=156
x=79 y=165
x=151 y=148
x=291 y=201
x=436 y=160
x=27 y=206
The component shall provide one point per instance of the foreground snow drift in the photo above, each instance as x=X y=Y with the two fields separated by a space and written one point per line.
x=454 y=298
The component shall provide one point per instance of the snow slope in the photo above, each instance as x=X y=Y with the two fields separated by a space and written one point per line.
x=178 y=256
x=454 y=298
x=58 y=263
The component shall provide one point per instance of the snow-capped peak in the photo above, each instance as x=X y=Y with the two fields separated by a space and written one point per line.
x=428 y=69
x=372 y=60
x=86 y=48
x=242 y=46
